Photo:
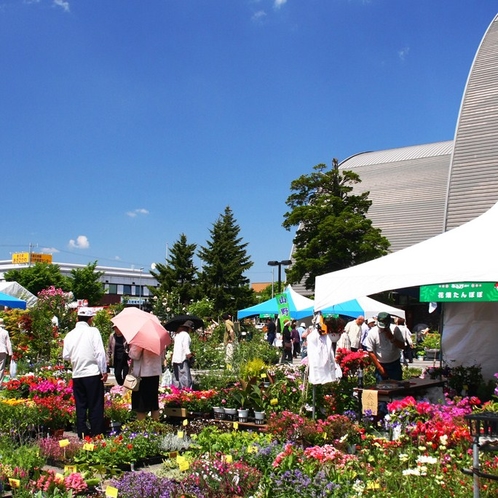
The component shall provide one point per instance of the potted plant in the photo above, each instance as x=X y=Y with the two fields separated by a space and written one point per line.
x=432 y=345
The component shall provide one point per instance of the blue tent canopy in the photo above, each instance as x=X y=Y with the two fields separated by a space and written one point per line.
x=11 y=301
x=299 y=306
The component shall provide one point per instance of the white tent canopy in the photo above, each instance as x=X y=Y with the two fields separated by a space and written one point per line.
x=367 y=307
x=17 y=290
x=464 y=254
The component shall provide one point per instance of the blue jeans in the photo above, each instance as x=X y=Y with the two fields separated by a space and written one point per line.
x=393 y=371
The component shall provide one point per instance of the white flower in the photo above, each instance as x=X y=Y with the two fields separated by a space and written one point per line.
x=426 y=459
x=443 y=440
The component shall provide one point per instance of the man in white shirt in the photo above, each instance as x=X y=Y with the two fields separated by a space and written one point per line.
x=383 y=344
x=182 y=377
x=354 y=331
x=84 y=348
x=5 y=349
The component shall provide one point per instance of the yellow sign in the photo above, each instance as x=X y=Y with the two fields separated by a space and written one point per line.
x=20 y=258
x=111 y=492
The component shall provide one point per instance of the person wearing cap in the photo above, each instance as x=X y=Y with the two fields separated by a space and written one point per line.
x=301 y=329
x=83 y=347
x=383 y=344
x=5 y=349
x=182 y=376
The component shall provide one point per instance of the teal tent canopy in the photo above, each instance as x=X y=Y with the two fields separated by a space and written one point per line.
x=299 y=306
x=11 y=301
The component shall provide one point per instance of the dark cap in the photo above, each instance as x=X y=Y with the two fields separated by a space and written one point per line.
x=383 y=320
x=189 y=324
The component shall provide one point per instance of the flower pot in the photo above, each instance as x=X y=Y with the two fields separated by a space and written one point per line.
x=115 y=427
x=219 y=412
x=243 y=414
x=259 y=417
x=231 y=413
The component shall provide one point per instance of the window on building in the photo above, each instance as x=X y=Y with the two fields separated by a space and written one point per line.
x=127 y=289
x=113 y=288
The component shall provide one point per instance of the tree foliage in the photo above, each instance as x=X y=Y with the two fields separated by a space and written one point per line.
x=86 y=284
x=226 y=260
x=39 y=276
x=179 y=273
x=83 y=282
x=333 y=229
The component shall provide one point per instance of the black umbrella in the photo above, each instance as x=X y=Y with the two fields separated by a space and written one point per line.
x=177 y=321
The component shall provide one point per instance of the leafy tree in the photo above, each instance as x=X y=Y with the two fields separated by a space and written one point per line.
x=225 y=257
x=86 y=284
x=39 y=276
x=178 y=275
x=333 y=231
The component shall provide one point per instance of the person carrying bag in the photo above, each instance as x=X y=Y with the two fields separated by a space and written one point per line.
x=132 y=381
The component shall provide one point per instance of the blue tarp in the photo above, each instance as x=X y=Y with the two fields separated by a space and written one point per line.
x=11 y=301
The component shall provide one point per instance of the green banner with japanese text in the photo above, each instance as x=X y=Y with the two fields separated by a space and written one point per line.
x=283 y=309
x=459 y=292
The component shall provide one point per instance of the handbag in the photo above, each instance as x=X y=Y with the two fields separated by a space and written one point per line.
x=131 y=381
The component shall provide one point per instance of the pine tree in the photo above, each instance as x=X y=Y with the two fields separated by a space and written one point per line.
x=333 y=230
x=177 y=278
x=226 y=260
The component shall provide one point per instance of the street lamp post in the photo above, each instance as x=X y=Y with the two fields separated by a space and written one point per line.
x=284 y=262
x=140 y=289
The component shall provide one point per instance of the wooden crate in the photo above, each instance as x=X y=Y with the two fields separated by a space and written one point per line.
x=175 y=412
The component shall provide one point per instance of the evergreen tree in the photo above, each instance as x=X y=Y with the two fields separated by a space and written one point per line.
x=176 y=278
x=333 y=230
x=226 y=260
x=86 y=284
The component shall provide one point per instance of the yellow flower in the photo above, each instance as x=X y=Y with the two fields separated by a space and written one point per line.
x=274 y=402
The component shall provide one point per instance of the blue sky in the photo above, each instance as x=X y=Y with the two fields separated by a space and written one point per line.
x=125 y=123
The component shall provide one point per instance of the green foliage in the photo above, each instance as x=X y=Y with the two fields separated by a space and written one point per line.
x=177 y=278
x=40 y=276
x=209 y=354
x=102 y=320
x=86 y=284
x=45 y=343
x=26 y=456
x=249 y=350
x=333 y=230
x=431 y=341
x=225 y=262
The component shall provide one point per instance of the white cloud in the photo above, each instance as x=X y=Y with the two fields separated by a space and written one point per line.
x=63 y=4
x=403 y=53
x=136 y=212
x=50 y=250
x=81 y=242
x=259 y=15
x=278 y=3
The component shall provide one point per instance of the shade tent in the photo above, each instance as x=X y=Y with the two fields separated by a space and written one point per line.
x=11 y=301
x=365 y=306
x=299 y=306
x=17 y=290
x=465 y=254
x=302 y=307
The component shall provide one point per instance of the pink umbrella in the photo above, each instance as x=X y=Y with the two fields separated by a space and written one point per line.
x=142 y=329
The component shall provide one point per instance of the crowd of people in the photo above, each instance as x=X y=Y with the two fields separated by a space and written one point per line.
x=388 y=341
